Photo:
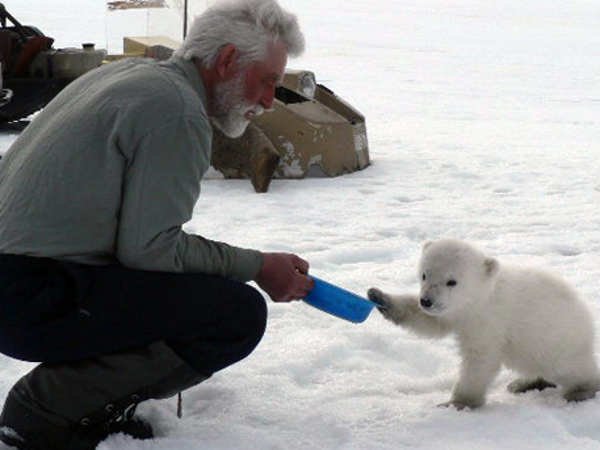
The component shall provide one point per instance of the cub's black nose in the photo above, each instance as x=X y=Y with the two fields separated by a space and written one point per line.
x=426 y=302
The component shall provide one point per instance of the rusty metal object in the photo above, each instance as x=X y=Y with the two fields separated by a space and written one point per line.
x=250 y=156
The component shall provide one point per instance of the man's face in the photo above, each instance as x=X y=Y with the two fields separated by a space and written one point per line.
x=248 y=93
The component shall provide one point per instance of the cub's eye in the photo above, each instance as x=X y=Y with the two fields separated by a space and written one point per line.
x=423 y=277
x=451 y=283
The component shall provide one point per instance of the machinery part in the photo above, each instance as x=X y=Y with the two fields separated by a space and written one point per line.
x=33 y=70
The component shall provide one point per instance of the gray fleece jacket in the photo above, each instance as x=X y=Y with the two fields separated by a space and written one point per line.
x=110 y=170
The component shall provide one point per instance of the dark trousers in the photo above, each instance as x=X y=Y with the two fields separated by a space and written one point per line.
x=54 y=311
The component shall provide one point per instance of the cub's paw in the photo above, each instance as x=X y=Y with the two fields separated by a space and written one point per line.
x=378 y=297
x=580 y=393
x=459 y=406
x=521 y=386
x=464 y=401
x=384 y=304
x=392 y=307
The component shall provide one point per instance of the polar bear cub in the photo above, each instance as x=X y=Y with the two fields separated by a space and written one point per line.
x=527 y=320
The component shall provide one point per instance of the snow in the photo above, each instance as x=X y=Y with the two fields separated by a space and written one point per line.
x=483 y=121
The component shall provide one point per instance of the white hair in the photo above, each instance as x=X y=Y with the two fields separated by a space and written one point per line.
x=250 y=25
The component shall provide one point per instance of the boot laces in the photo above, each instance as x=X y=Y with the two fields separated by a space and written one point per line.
x=120 y=416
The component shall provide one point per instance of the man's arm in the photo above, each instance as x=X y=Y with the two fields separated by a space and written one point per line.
x=161 y=187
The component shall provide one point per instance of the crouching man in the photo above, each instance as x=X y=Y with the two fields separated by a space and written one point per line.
x=98 y=281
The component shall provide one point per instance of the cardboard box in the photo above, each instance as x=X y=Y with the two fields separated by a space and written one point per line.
x=314 y=131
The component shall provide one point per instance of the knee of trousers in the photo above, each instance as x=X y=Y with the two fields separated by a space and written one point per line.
x=231 y=338
x=252 y=319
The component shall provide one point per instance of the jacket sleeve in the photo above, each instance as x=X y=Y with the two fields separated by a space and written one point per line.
x=160 y=189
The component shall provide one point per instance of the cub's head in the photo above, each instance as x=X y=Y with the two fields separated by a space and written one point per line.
x=454 y=275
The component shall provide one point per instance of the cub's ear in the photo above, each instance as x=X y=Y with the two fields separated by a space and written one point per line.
x=492 y=265
x=427 y=244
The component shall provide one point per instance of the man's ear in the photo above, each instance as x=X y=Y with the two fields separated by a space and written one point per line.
x=227 y=62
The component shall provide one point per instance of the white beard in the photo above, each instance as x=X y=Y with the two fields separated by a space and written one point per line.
x=231 y=110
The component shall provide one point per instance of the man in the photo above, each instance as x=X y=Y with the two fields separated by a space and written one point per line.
x=98 y=281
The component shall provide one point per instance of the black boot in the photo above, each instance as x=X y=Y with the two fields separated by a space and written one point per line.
x=75 y=406
x=25 y=428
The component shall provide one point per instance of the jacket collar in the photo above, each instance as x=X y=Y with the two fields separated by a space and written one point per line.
x=191 y=73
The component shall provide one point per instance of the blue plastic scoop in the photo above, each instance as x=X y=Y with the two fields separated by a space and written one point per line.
x=339 y=302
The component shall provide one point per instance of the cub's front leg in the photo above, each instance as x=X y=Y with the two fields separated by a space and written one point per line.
x=404 y=310
x=478 y=370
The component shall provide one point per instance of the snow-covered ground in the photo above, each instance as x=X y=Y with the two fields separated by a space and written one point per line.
x=484 y=124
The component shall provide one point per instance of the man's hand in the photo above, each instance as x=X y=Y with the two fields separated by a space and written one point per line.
x=284 y=277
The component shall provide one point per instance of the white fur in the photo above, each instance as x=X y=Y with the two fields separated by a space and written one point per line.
x=520 y=317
